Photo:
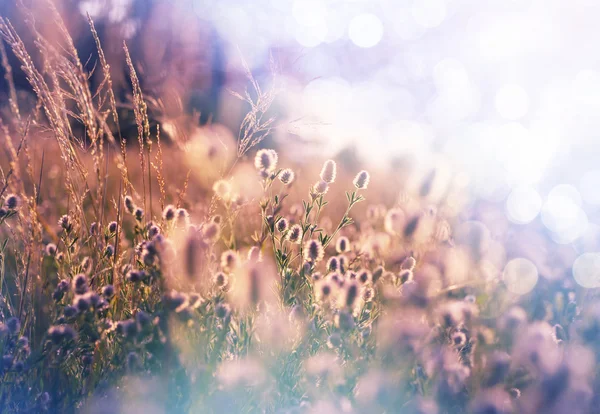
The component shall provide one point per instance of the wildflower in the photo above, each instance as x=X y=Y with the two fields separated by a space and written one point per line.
x=61 y=333
x=320 y=188
x=12 y=201
x=109 y=251
x=324 y=290
x=183 y=217
x=361 y=181
x=70 y=311
x=282 y=225
x=229 y=259
x=294 y=235
x=138 y=213
x=211 y=232
x=175 y=301
x=364 y=276
x=405 y=275
x=50 y=249
x=153 y=231
x=80 y=284
x=266 y=160
x=333 y=264
x=343 y=261
x=127 y=328
x=135 y=276
x=220 y=279
x=168 y=213
x=313 y=251
x=222 y=189
x=328 y=172
x=222 y=310
x=368 y=294
x=65 y=223
x=129 y=205
x=350 y=295
x=458 y=339
x=411 y=226
x=108 y=291
x=287 y=176
x=408 y=263
x=112 y=227
x=13 y=325
x=82 y=303
x=342 y=245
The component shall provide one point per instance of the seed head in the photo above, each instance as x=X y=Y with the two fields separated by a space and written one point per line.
x=65 y=223
x=82 y=303
x=138 y=213
x=109 y=251
x=328 y=172
x=408 y=263
x=361 y=181
x=129 y=205
x=364 y=276
x=222 y=310
x=50 y=249
x=294 y=235
x=287 y=176
x=266 y=160
x=229 y=260
x=282 y=225
x=12 y=201
x=183 y=217
x=342 y=245
x=108 y=291
x=220 y=279
x=333 y=264
x=405 y=275
x=313 y=251
x=169 y=213
x=320 y=188
x=80 y=284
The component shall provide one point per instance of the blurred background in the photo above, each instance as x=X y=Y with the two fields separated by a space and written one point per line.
x=505 y=94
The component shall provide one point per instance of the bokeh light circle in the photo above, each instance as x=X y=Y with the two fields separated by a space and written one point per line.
x=586 y=270
x=365 y=30
x=520 y=276
x=523 y=205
